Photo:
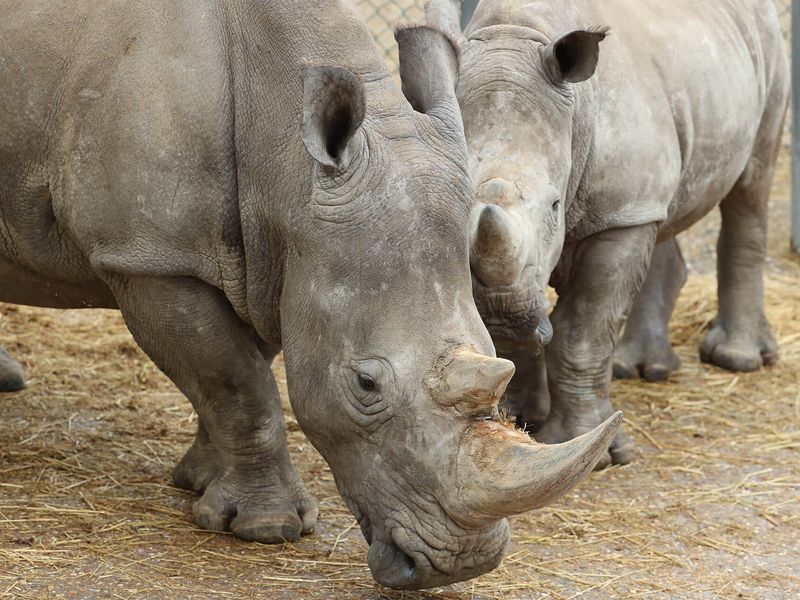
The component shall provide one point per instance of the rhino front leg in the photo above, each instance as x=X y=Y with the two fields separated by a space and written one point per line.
x=644 y=349
x=607 y=271
x=12 y=378
x=527 y=397
x=239 y=460
x=200 y=465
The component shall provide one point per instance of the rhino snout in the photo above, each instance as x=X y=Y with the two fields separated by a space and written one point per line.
x=422 y=566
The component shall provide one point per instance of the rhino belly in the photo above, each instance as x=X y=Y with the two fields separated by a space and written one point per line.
x=20 y=286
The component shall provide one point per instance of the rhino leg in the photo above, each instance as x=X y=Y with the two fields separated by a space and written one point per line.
x=740 y=338
x=239 y=459
x=644 y=349
x=200 y=465
x=527 y=397
x=12 y=378
x=606 y=274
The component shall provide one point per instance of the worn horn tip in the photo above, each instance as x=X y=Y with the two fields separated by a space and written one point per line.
x=616 y=419
x=493 y=222
x=604 y=434
x=614 y=422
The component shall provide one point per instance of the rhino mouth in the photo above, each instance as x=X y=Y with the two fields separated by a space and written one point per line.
x=389 y=564
x=399 y=558
x=515 y=316
x=516 y=313
x=405 y=562
x=392 y=567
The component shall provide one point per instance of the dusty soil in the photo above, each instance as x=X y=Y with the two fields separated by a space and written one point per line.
x=711 y=508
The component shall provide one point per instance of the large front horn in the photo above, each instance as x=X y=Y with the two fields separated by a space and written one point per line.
x=503 y=472
x=496 y=253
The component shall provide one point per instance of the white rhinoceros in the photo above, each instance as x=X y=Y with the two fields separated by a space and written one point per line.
x=243 y=176
x=584 y=178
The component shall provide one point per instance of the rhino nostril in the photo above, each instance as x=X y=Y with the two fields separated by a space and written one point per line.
x=391 y=566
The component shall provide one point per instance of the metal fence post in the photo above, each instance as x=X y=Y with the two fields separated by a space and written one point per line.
x=467 y=10
x=796 y=125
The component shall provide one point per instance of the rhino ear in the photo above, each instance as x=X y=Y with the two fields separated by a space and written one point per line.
x=429 y=72
x=446 y=16
x=573 y=57
x=334 y=107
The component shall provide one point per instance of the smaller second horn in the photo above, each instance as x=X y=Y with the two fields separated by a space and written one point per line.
x=496 y=252
x=471 y=383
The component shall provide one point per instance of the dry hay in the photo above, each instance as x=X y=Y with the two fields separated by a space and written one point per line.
x=711 y=508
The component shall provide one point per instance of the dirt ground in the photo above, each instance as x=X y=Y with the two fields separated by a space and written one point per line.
x=711 y=508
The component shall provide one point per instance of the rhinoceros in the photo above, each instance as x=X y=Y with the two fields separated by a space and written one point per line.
x=589 y=153
x=242 y=177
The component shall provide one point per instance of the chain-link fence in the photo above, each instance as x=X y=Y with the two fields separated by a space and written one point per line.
x=381 y=17
x=785 y=10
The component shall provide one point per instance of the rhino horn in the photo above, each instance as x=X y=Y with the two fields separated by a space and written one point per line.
x=496 y=254
x=501 y=471
x=471 y=383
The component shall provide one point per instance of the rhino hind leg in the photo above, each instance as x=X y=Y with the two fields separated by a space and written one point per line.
x=644 y=349
x=12 y=377
x=239 y=461
x=740 y=338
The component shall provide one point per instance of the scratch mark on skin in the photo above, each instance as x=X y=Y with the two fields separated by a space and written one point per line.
x=129 y=45
x=174 y=196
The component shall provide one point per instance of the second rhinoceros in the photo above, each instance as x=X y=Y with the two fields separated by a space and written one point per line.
x=241 y=177
x=584 y=178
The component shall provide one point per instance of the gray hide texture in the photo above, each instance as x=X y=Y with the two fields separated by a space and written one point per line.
x=590 y=150
x=242 y=177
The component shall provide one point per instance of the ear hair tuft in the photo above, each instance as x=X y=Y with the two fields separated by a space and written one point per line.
x=603 y=30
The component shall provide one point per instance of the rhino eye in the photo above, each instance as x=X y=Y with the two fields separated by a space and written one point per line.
x=555 y=205
x=366 y=382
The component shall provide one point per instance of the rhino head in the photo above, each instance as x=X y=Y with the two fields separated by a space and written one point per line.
x=391 y=372
x=519 y=108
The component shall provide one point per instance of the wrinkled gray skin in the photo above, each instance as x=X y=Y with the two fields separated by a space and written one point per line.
x=583 y=180
x=195 y=166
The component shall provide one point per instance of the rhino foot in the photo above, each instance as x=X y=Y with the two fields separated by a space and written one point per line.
x=198 y=467
x=558 y=429
x=270 y=508
x=262 y=504
x=12 y=378
x=652 y=359
x=740 y=351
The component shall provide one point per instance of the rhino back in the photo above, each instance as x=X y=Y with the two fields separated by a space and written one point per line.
x=684 y=90
x=675 y=107
x=157 y=137
x=121 y=155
